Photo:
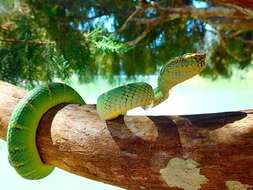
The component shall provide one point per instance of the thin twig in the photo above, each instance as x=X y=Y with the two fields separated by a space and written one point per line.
x=25 y=41
x=140 y=37
x=141 y=8
x=244 y=10
x=4 y=29
x=244 y=40
x=157 y=6
x=123 y=27
x=224 y=45
x=236 y=33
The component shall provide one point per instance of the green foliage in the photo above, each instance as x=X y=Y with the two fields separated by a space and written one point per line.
x=105 y=42
x=31 y=53
x=41 y=40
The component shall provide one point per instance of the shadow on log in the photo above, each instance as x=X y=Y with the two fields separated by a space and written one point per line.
x=206 y=151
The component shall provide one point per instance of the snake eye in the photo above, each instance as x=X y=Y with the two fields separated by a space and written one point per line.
x=201 y=59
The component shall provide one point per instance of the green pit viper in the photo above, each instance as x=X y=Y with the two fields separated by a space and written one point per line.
x=21 y=133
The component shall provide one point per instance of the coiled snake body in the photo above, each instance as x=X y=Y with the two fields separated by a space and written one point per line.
x=21 y=134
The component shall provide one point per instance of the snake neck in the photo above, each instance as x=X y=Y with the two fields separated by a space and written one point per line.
x=160 y=96
x=177 y=71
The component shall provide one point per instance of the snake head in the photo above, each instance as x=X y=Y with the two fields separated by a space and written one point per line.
x=180 y=69
x=192 y=63
x=199 y=58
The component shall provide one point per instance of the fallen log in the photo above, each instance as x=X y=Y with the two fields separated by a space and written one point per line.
x=206 y=151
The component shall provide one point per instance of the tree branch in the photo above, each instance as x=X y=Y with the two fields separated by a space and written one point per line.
x=140 y=9
x=233 y=19
x=136 y=12
x=245 y=6
x=204 y=14
x=25 y=41
x=223 y=42
x=141 y=36
x=209 y=151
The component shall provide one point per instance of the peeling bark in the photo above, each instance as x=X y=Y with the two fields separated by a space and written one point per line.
x=209 y=151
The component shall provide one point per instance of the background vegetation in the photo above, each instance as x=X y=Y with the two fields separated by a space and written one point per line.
x=43 y=40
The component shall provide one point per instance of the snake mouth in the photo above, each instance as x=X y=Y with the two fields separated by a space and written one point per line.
x=194 y=55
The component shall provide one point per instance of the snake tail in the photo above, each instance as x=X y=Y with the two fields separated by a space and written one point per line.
x=21 y=134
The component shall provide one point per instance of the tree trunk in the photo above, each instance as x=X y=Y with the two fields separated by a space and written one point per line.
x=207 y=151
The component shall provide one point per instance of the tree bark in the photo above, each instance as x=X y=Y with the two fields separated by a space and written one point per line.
x=207 y=151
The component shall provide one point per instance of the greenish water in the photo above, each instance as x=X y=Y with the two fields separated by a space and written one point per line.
x=197 y=95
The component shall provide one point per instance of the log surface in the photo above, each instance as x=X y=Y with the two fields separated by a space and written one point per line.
x=207 y=151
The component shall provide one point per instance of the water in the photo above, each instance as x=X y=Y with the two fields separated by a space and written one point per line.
x=197 y=95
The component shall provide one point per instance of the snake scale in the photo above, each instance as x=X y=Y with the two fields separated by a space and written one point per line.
x=21 y=134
